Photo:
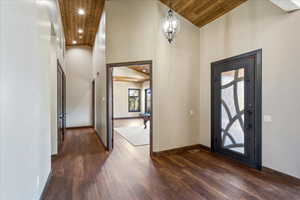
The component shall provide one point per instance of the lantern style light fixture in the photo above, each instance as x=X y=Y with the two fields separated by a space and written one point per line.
x=170 y=25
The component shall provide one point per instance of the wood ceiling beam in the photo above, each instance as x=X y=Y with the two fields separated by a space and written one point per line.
x=130 y=79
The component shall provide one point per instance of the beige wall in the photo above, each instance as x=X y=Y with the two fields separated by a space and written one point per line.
x=175 y=67
x=99 y=74
x=120 y=95
x=79 y=78
x=259 y=24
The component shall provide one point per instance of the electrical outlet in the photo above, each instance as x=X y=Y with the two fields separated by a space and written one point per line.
x=267 y=118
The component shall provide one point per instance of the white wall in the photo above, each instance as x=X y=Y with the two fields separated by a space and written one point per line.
x=99 y=74
x=25 y=99
x=79 y=86
x=260 y=24
x=175 y=68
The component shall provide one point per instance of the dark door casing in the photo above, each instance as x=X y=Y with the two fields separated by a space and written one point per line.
x=61 y=106
x=236 y=108
x=109 y=101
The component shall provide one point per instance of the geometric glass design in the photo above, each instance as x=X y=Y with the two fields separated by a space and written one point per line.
x=233 y=109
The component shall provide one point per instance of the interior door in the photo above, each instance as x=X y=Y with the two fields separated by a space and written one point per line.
x=61 y=117
x=236 y=108
x=93 y=104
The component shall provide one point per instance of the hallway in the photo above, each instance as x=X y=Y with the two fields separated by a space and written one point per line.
x=85 y=171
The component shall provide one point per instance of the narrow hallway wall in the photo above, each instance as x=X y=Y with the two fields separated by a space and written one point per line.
x=79 y=86
x=99 y=74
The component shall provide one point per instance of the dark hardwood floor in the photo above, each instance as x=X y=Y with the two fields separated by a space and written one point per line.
x=84 y=171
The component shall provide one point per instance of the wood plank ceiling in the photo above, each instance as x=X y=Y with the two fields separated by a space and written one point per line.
x=88 y=22
x=202 y=12
x=199 y=12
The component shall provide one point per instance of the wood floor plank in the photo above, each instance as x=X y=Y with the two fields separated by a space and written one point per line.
x=85 y=171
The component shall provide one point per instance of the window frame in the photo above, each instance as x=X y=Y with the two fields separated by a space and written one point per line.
x=139 y=97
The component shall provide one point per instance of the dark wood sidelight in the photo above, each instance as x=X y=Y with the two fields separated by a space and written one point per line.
x=236 y=108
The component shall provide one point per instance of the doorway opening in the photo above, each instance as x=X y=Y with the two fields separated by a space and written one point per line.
x=236 y=108
x=130 y=103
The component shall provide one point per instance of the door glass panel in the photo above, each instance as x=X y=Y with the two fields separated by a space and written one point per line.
x=232 y=112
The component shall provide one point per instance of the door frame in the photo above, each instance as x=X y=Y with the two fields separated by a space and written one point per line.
x=109 y=100
x=257 y=56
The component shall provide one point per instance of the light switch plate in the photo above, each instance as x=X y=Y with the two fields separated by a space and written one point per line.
x=191 y=112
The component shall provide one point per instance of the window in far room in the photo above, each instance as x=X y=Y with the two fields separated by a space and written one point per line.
x=134 y=100
x=147 y=100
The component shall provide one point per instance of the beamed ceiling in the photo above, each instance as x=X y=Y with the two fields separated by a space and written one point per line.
x=89 y=22
x=202 y=12
x=199 y=12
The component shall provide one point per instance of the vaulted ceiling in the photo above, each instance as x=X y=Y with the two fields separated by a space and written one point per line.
x=202 y=12
x=88 y=22
x=199 y=12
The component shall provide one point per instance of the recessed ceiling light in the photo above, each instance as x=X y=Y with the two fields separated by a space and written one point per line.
x=144 y=70
x=80 y=30
x=81 y=11
x=74 y=42
x=80 y=37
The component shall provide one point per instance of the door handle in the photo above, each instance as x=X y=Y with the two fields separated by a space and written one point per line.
x=249 y=112
x=249 y=127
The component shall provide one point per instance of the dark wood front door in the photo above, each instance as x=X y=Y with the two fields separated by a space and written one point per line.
x=236 y=108
x=61 y=108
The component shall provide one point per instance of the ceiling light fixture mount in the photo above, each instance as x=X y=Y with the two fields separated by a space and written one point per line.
x=170 y=25
x=81 y=11
x=80 y=31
